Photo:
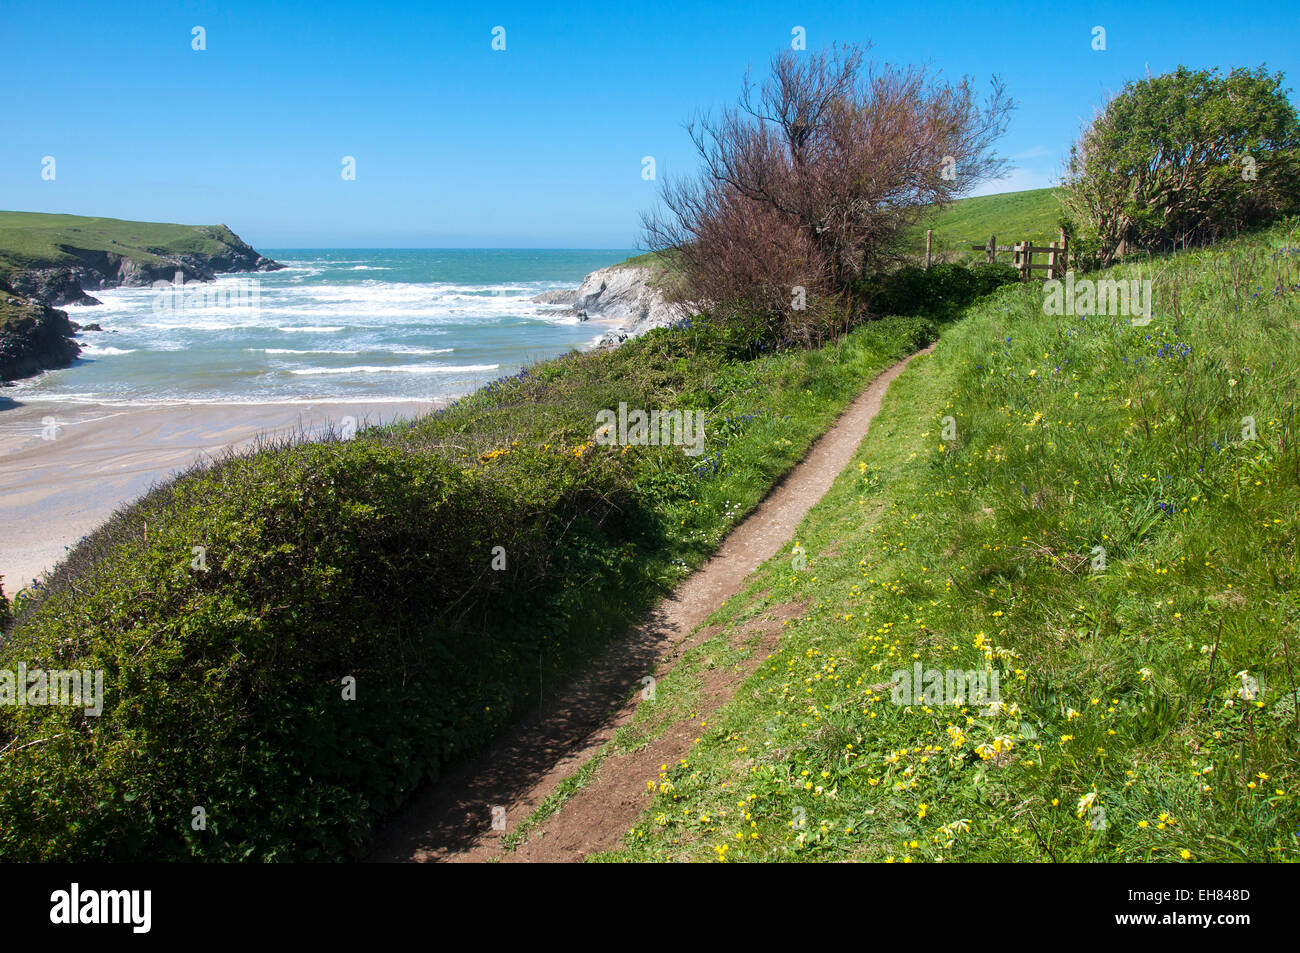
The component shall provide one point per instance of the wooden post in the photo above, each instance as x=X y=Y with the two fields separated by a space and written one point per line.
x=929 y=233
x=1065 y=252
x=1025 y=259
x=1051 y=260
x=992 y=249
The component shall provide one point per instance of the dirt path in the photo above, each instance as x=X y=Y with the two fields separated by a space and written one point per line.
x=453 y=820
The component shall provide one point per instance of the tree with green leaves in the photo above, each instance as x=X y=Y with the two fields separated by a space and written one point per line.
x=1182 y=159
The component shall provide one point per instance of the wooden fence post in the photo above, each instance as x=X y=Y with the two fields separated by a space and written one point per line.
x=992 y=249
x=929 y=233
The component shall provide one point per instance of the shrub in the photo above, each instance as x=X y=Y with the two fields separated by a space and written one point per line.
x=942 y=291
x=815 y=178
x=1183 y=158
x=370 y=559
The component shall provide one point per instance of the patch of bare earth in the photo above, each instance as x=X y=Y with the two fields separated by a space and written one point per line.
x=453 y=820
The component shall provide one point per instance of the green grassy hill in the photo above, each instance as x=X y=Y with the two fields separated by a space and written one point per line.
x=1106 y=516
x=38 y=239
x=49 y=259
x=1011 y=216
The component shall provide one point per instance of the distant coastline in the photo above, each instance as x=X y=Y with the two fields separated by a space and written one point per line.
x=49 y=260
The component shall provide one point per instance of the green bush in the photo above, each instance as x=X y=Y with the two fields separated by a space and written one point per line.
x=370 y=559
x=942 y=291
x=1183 y=158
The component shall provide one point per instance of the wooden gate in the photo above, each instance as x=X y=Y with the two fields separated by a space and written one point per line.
x=1057 y=254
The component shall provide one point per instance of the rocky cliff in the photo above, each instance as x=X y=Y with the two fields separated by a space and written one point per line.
x=66 y=281
x=33 y=336
x=622 y=293
x=51 y=260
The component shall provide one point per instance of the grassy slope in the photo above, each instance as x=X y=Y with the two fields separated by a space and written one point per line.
x=1011 y=216
x=38 y=239
x=1124 y=733
x=369 y=557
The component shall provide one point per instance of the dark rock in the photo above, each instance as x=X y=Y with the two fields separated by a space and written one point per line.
x=56 y=286
x=559 y=296
x=34 y=337
x=64 y=284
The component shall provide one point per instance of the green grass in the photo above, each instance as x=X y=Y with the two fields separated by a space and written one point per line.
x=650 y=259
x=19 y=316
x=1012 y=216
x=37 y=239
x=1125 y=731
x=370 y=559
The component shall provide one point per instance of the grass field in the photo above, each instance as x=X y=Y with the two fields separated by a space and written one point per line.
x=38 y=239
x=1011 y=216
x=1107 y=516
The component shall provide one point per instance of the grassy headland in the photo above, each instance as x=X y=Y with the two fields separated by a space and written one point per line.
x=1113 y=527
x=49 y=260
x=42 y=240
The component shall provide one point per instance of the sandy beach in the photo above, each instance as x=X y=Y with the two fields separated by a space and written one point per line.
x=64 y=467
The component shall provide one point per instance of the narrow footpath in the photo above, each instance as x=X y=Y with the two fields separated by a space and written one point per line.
x=453 y=820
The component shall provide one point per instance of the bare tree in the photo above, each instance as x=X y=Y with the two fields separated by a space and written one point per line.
x=814 y=178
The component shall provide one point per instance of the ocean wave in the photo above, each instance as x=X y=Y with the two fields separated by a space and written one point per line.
x=342 y=350
x=103 y=400
x=91 y=350
x=398 y=369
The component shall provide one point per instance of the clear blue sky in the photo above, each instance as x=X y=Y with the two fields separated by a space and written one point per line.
x=536 y=146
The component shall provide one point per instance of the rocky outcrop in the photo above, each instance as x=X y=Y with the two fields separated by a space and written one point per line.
x=562 y=296
x=66 y=284
x=33 y=336
x=56 y=286
x=622 y=293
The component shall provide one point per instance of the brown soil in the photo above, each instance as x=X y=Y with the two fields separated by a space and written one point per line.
x=453 y=820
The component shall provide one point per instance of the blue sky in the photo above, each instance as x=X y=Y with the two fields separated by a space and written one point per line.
x=539 y=145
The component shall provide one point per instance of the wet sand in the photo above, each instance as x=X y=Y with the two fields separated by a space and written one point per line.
x=65 y=468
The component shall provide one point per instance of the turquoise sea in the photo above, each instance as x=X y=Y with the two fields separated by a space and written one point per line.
x=341 y=324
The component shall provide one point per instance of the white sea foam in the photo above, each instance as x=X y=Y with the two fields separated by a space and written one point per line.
x=383 y=330
x=342 y=350
x=91 y=350
x=398 y=369
x=290 y=350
